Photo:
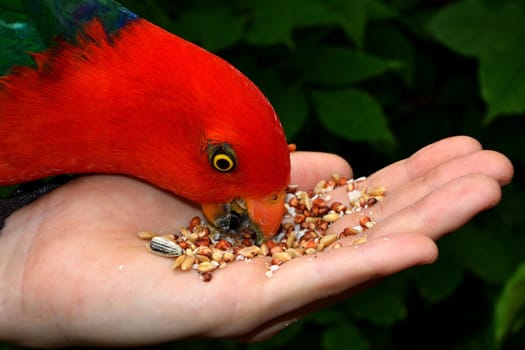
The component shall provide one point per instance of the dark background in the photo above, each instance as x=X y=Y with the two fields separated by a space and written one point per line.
x=375 y=80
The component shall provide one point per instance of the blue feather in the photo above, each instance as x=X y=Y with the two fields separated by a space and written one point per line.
x=35 y=25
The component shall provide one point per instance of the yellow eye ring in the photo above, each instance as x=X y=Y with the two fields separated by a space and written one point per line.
x=223 y=162
x=222 y=157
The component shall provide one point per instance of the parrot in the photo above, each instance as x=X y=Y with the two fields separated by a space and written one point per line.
x=116 y=94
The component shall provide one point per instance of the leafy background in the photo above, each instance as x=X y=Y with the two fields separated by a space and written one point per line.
x=375 y=80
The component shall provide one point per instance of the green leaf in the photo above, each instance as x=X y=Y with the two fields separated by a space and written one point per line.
x=340 y=65
x=352 y=18
x=352 y=114
x=510 y=305
x=378 y=10
x=502 y=76
x=494 y=33
x=441 y=279
x=288 y=101
x=326 y=317
x=291 y=107
x=379 y=305
x=344 y=336
x=483 y=252
x=280 y=340
x=310 y=13
x=390 y=43
x=473 y=27
x=274 y=20
x=214 y=28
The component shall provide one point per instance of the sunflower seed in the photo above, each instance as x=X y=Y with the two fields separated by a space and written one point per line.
x=164 y=247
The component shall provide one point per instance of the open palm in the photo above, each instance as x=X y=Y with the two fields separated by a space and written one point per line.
x=74 y=273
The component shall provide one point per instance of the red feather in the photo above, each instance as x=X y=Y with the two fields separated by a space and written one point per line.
x=145 y=103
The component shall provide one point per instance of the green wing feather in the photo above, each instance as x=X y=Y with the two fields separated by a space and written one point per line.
x=33 y=25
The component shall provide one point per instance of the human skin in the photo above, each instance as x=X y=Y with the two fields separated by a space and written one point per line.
x=74 y=273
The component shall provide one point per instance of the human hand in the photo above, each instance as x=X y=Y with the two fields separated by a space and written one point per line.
x=74 y=273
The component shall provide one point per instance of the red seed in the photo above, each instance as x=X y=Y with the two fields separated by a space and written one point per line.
x=206 y=276
x=195 y=221
x=203 y=242
x=299 y=218
x=293 y=202
x=342 y=181
x=319 y=202
x=371 y=201
x=270 y=244
x=223 y=244
x=276 y=249
x=348 y=231
x=365 y=222
x=323 y=210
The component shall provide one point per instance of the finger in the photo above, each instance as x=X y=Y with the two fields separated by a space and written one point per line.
x=489 y=163
x=308 y=168
x=443 y=210
x=396 y=244
x=423 y=161
x=308 y=279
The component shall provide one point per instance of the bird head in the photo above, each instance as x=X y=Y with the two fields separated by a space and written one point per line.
x=149 y=104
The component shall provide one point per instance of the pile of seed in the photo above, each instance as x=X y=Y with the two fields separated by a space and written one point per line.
x=200 y=247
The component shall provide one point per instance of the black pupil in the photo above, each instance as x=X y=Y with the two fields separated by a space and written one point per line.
x=223 y=164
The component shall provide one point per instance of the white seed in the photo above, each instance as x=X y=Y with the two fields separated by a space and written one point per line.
x=202 y=258
x=360 y=240
x=357 y=228
x=274 y=268
x=280 y=257
x=294 y=253
x=319 y=188
x=310 y=251
x=206 y=266
x=164 y=247
x=146 y=235
x=187 y=263
x=228 y=257
x=331 y=217
x=178 y=262
x=377 y=191
x=290 y=240
x=217 y=254
x=306 y=200
x=354 y=195
x=369 y=224
x=250 y=252
x=325 y=241
x=264 y=249
x=185 y=232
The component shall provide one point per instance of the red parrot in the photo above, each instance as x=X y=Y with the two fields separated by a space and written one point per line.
x=143 y=102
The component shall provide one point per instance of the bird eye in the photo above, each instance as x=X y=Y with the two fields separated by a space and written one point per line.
x=222 y=158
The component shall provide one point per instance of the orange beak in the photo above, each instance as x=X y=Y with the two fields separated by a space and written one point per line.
x=262 y=215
